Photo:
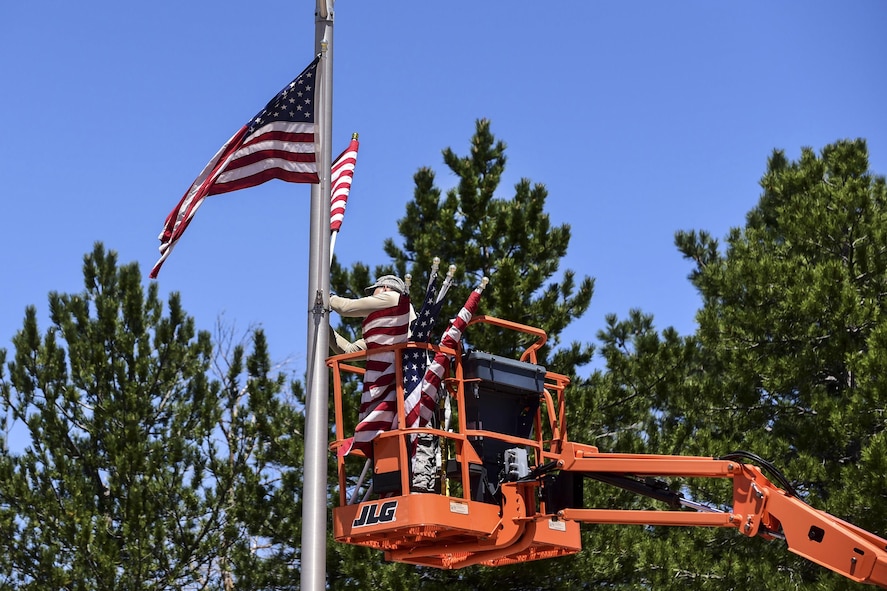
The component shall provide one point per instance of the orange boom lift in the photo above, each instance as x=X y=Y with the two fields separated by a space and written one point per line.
x=508 y=486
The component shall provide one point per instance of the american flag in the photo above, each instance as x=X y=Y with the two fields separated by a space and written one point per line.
x=280 y=142
x=421 y=400
x=415 y=360
x=378 y=403
x=340 y=180
x=420 y=329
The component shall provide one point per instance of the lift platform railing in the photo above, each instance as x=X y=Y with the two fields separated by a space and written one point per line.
x=457 y=444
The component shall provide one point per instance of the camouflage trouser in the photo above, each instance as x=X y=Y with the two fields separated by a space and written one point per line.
x=426 y=468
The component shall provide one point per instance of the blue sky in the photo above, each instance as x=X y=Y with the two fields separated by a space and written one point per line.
x=641 y=117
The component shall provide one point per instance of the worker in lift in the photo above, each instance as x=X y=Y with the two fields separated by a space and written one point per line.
x=387 y=314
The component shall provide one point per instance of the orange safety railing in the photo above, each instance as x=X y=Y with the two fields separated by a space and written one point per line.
x=548 y=434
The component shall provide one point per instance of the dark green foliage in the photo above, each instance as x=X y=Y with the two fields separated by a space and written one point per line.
x=789 y=337
x=787 y=363
x=141 y=471
x=794 y=308
x=512 y=241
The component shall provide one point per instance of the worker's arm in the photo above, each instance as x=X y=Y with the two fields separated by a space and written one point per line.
x=339 y=344
x=362 y=307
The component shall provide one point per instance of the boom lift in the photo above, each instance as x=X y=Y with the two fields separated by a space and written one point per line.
x=509 y=487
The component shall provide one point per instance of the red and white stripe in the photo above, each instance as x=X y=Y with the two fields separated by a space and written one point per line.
x=378 y=404
x=341 y=176
x=421 y=401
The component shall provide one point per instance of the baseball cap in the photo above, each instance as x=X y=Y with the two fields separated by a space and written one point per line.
x=392 y=281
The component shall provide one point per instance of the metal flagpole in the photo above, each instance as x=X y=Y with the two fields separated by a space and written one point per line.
x=314 y=501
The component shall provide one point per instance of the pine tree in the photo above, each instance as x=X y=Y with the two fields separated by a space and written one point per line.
x=511 y=240
x=791 y=336
x=141 y=471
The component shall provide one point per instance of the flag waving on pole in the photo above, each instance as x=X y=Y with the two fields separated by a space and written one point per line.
x=340 y=180
x=341 y=175
x=280 y=142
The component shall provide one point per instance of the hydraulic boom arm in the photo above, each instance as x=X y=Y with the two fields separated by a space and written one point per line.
x=759 y=508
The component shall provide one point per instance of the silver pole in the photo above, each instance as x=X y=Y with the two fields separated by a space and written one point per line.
x=314 y=501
